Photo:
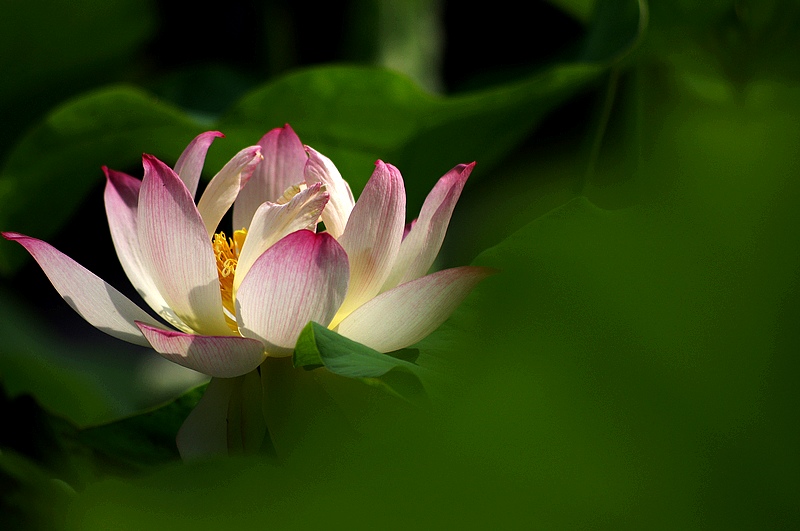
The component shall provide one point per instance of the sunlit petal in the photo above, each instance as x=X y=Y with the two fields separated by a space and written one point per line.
x=221 y=192
x=218 y=356
x=402 y=316
x=190 y=163
x=122 y=209
x=301 y=278
x=177 y=251
x=425 y=236
x=284 y=160
x=373 y=235
x=320 y=169
x=100 y=304
x=272 y=222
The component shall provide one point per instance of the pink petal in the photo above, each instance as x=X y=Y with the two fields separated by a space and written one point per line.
x=272 y=222
x=373 y=235
x=301 y=278
x=423 y=241
x=190 y=163
x=204 y=433
x=217 y=356
x=224 y=187
x=402 y=316
x=177 y=251
x=282 y=167
x=101 y=305
x=320 y=169
x=122 y=209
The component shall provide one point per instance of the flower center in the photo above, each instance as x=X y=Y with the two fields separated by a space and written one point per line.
x=227 y=252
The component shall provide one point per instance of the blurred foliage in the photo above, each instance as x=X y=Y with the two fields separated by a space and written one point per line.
x=632 y=366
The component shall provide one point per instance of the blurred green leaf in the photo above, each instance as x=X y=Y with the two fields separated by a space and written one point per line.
x=86 y=384
x=356 y=115
x=616 y=27
x=659 y=340
x=35 y=361
x=142 y=440
x=53 y=166
x=63 y=37
x=32 y=499
x=53 y=49
x=580 y=9
x=45 y=460
x=204 y=91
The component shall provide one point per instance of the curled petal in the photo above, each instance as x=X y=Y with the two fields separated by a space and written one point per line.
x=217 y=356
x=272 y=222
x=320 y=169
x=373 y=235
x=122 y=208
x=101 y=305
x=224 y=187
x=177 y=251
x=282 y=167
x=190 y=163
x=301 y=278
x=402 y=316
x=425 y=236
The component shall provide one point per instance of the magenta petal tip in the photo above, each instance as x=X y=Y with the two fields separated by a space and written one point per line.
x=12 y=236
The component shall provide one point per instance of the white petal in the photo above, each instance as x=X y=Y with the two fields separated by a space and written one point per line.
x=100 y=304
x=272 y=222
x=224 y=187
x=402 y=316
x=122 y=210
x=177 y=251
x=320 y=169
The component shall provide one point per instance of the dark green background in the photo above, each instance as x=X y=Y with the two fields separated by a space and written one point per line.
x=631 y=366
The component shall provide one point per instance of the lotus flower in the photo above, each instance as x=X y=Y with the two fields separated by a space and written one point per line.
x=233 y=301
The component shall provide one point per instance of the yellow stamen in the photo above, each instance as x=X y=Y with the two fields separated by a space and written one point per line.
x=227 y=252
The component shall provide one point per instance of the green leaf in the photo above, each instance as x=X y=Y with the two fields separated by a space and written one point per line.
x=45 y=457
x=53 y=49
x=84 y=383
x=319 y=347
x=144 y=439
x=32 y=498
x=356 y=115
x=650 y=349
x=62 y=38
x=617 y=26
x=580 y=9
